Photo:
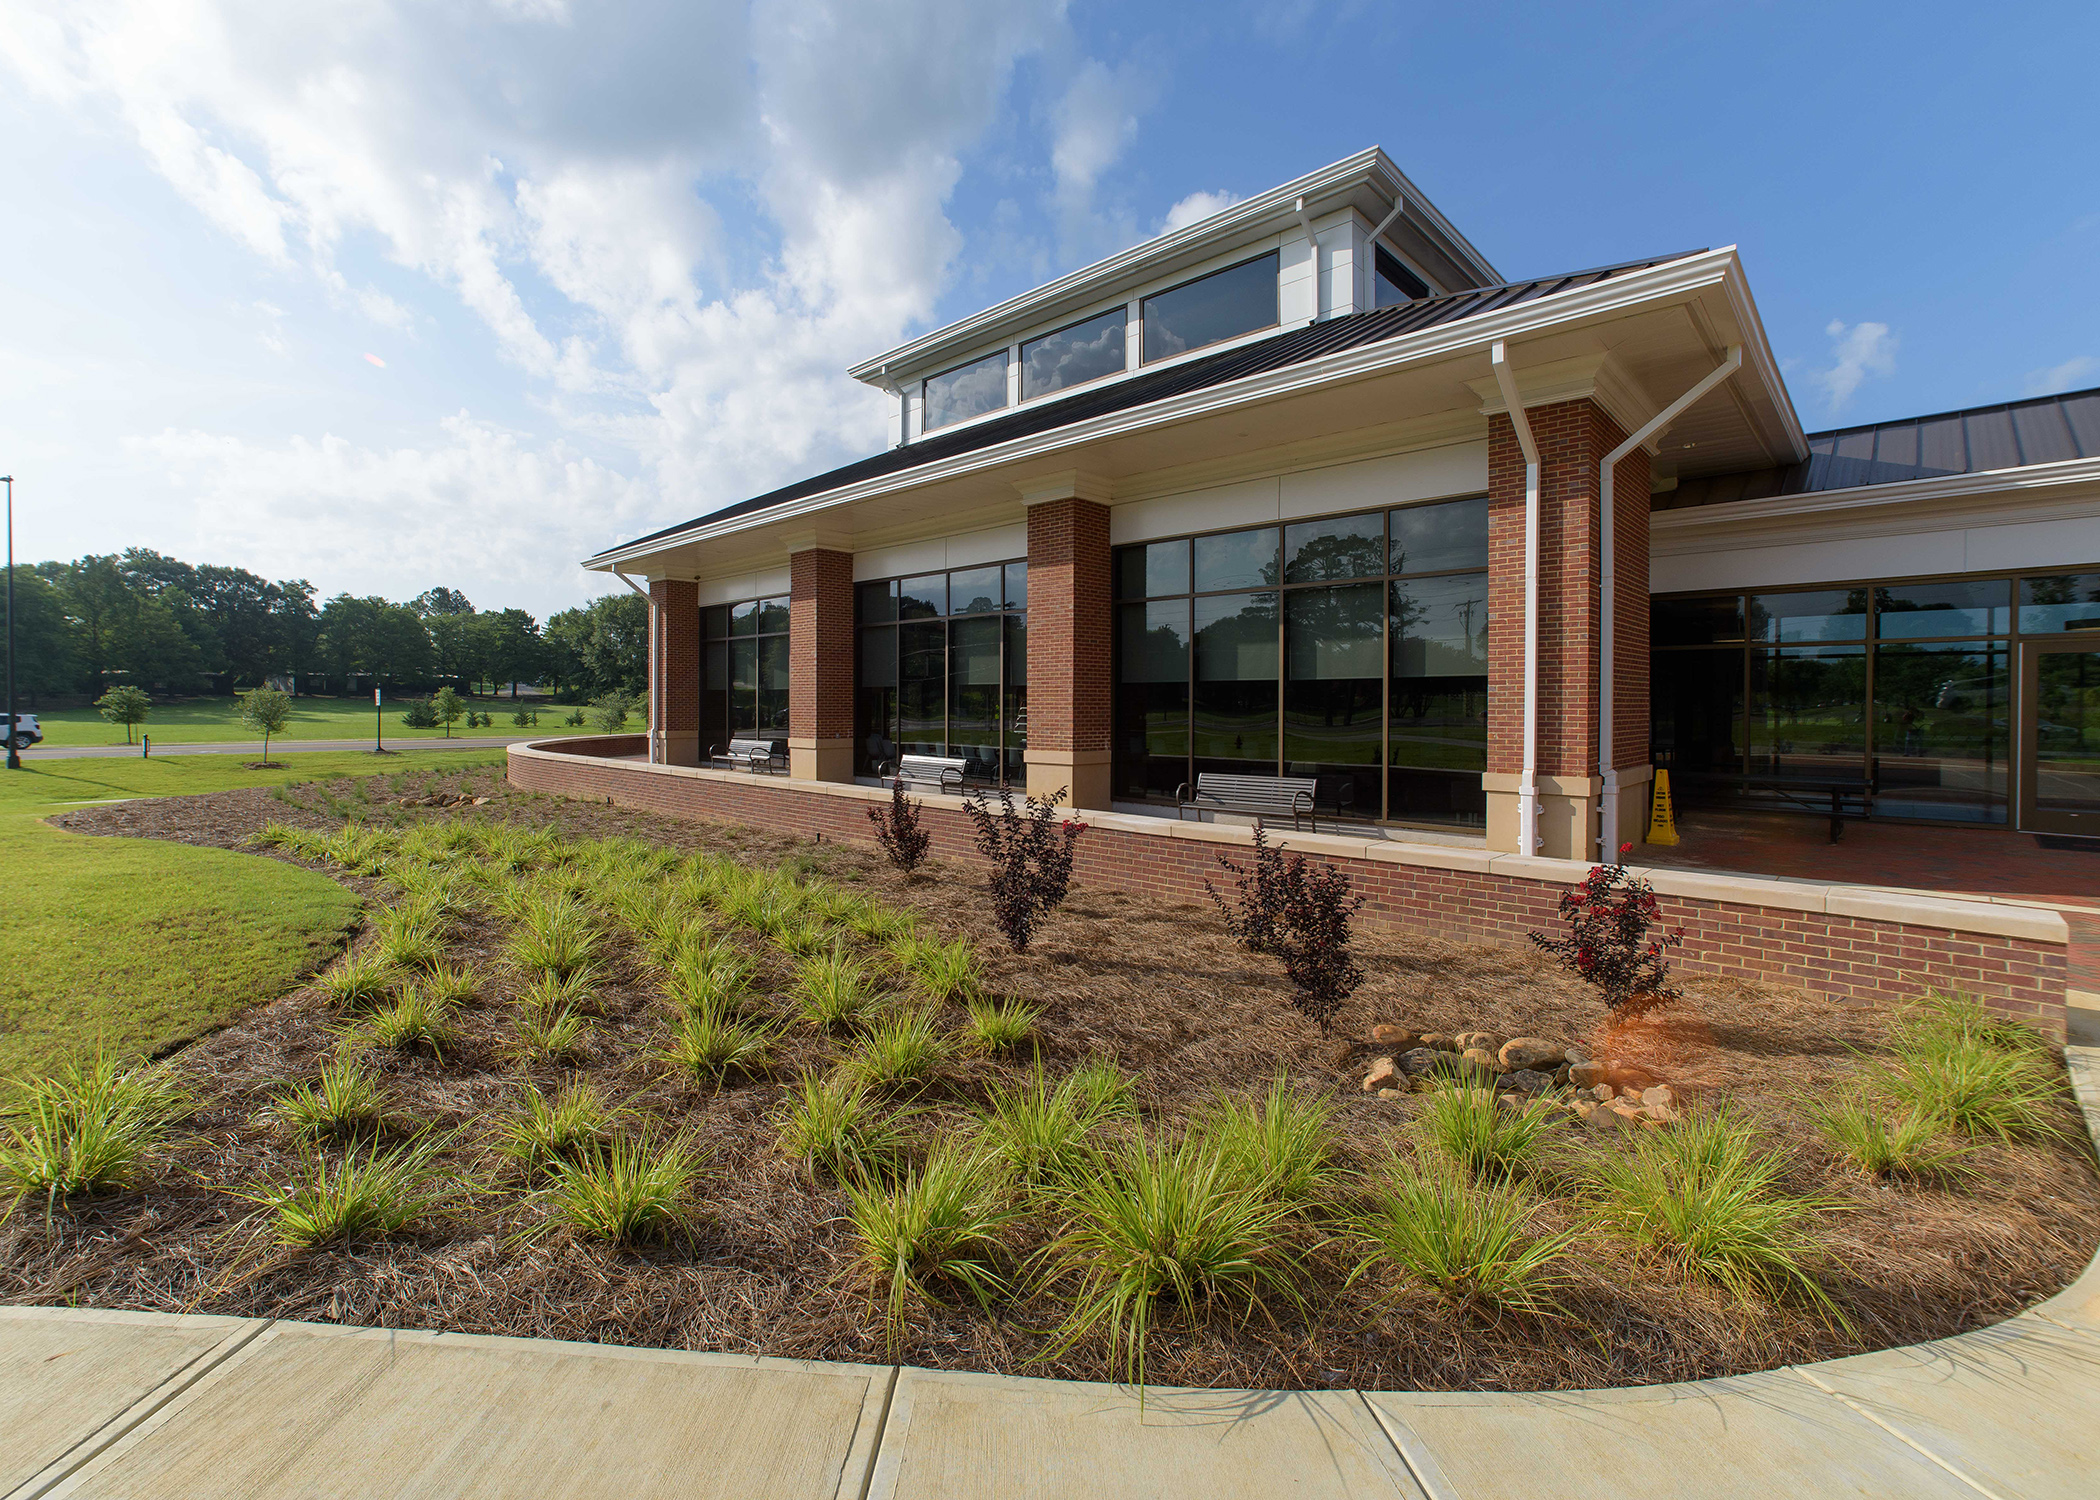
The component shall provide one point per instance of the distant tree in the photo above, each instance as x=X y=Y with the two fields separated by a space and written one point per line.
x=510 y=647
x=420 y=715
x=604 y=646
x=46 y=660
x=456 y=646
x=268 y=712
x=441 y=601
x=295 y=627
x=609 y=711
x=448 y=706
x=126 y=705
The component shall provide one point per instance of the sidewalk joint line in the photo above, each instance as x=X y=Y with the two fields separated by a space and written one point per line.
x=1898 y=1434
x=129 y=1420
x=1428 y=1477
x=882 y=1427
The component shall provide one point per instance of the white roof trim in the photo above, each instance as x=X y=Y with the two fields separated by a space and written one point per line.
x=2025 y=479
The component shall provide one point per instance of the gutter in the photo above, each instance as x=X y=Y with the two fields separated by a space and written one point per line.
x=655 y=696
x=1607 y=615
x=1527 y=782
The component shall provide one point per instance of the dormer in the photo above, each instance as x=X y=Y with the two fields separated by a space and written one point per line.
x=1351 y=238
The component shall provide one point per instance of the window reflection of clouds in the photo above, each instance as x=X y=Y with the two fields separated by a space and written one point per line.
x=1071 y=356
x=965 y=391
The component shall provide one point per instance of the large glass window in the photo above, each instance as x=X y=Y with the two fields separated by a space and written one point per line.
x=1903 y=689
x=1395 y=282
x=744 y=672
x=1084 y=351
x=942 y=670
x=1222 y=305
x=966 y=391
x=1350 y=649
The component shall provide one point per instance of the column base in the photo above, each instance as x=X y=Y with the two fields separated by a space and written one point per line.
x=820 y=760
x=1567 y=814
x=1084 y=774
x=1635 y=784
x=677 y=747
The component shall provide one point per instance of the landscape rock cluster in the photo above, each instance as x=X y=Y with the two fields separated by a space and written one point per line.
x=1603 y=1093
x=440 y=799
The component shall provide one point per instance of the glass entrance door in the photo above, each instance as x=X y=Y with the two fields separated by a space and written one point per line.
x=2060 y=736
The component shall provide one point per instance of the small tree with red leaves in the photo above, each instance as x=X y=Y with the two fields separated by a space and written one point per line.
x=1615 y=939
x=897 y=830
x=1301 y=913
x=1031 y=859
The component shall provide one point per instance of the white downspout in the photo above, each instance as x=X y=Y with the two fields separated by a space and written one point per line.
x=1527 y=783
x=1313 y=240
x=1367 y=282
x=1607 y=614
x=656 y=696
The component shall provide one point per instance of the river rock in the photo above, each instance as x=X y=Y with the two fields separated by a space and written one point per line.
x=1419 y=1062
x=1383 y=1075
x=1531 y=1052
x=1586 y=1075
x=1438 y=1041
x=1480 y=1060
x=1662 y=1095
x=1396 y=1037
x=1528 y=1081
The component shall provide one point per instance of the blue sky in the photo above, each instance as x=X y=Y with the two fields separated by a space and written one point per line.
x=388 y=296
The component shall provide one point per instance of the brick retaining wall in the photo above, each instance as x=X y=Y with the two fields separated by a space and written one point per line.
x=1849 y=943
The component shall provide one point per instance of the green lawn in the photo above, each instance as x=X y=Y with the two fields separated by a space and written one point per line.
x=202 y=720
x=132 y=944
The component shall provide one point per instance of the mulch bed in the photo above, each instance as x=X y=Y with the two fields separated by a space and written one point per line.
x=1162 y=988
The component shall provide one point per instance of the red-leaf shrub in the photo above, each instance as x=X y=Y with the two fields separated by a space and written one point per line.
x=1031 y=859
x=1613 y=941
x=1301 y=913
x=897 y=830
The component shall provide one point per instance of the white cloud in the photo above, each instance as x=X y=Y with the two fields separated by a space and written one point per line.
x=2079 y=370
x=1858 y=351
x=1195 y=208
x=677 y=222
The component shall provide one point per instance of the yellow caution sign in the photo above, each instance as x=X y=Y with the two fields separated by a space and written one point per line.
x=1662 y=815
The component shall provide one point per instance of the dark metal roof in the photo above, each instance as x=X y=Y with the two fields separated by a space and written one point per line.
x=2046 y=430
x=1296 y=347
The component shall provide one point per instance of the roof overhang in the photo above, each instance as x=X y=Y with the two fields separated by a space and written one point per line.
x=1644 y=336
x=1368 y=181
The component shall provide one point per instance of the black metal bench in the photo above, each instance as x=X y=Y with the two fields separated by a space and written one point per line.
x=1836 y=800
x=1258 y=796
x=759 y=757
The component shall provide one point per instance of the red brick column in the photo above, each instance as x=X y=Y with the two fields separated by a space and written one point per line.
x=1629 y=767
x=1573 y=437
x=820 y=665
x=1070 y=627
x=674 y=671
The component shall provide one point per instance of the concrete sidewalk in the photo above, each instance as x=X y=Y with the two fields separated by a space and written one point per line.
x=278 y=746
x=147 y=1405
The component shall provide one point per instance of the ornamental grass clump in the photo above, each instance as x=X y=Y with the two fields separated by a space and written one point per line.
x=372 y=1190
x=1000 y=1025
x=1973 y=1073
x=834 y=989
x=359 y=980
x=1280 y=1146
x=1911 y=1145
x=408 y=939
x=573 y=1120
x=1468 y=1128
x=900 y=1046
x=1154 y=1229
x=1616 y=939
x=87 y=1129
x=1043 y=1130
x=946 y=971
x=709 y=975
x=708 y=1043
x=1470 y=1242
x=627 y=1191
x=544 y=995
x=345 y=1100
x=937 y=1228
x=1705 y=1196
x=555 y=936
x=835 y=1123
x=450 y=985
x=414 y=1023
x=557 y=1037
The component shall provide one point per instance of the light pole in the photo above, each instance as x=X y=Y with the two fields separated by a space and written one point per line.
x=14 y=756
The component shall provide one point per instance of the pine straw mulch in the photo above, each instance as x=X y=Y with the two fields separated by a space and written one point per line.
x=771 y=1268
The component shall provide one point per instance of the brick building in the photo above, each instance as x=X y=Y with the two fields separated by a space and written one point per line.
x=1308 y=489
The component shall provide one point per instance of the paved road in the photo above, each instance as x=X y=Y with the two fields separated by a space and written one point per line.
x=123 y=1404
x=285 y=747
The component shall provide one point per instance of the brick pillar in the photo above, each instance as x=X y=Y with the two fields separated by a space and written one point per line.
x=1573 y=438
x=674 y=672
x=1629 y=771
x=1069 y=631
x=820 y=665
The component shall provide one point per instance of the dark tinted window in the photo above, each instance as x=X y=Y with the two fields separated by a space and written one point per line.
x=975 y=592
x=1236 y=560
x=772 y=616
x=1817 y=615
x=1348 y=547
x=1395 y=282
x=1085 y=351
x=922 y=598
x=876 y=603
x=1437 y=538
x=1017 y=585
x=966 y=391
x=1221 y=305
x=1697 y=622
x=2061 y=601
x=1151 y=570
x=1909 y=611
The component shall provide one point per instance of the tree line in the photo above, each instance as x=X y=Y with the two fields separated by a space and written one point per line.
x=143 y=619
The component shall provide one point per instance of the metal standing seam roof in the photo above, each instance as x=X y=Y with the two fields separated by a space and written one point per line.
x=1974 y=440
x=1299 y=346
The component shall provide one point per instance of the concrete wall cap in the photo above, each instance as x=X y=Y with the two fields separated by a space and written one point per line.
x=1531 y=867
x=1432 y=856
x=1947 y=912
x=1737 y=890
